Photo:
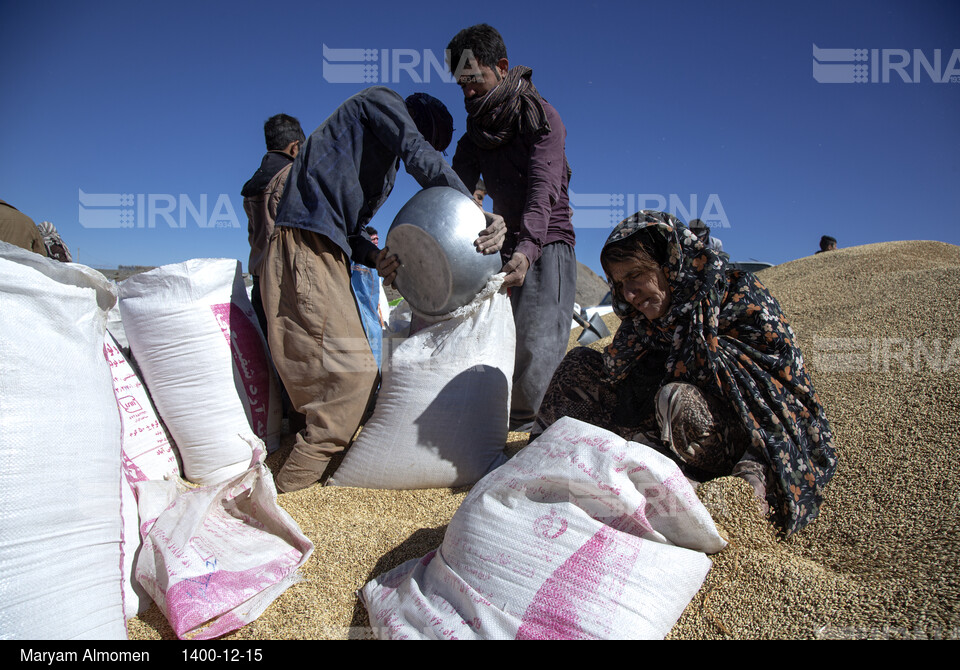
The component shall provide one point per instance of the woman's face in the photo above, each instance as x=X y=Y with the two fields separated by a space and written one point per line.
x=646 y=290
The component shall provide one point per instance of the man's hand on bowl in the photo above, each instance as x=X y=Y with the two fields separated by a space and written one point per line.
x=492 y=237
x=387 y=266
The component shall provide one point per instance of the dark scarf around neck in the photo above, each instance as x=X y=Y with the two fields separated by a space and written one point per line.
x=513 y=106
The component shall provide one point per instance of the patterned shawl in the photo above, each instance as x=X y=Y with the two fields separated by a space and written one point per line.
x=726 y=334
x=56 y=248
x=512 y=106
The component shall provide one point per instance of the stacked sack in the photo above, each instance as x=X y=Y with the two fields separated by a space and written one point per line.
x=217 y=549
x=195 y=338
x=147 y=453
x=60 y=478
x=172 y=381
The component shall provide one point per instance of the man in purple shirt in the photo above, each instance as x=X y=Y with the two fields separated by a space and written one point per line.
x=515 y=140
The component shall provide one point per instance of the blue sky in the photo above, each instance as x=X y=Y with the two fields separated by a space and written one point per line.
x=705 y=109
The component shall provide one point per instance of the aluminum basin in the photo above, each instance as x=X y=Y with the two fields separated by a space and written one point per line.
x=432 y=235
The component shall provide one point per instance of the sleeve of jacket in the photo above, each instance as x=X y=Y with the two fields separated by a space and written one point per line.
x=274 y=192
x=391 y=123
x=546 y=169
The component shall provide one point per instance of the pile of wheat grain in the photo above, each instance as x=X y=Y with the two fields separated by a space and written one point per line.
x=879 y=329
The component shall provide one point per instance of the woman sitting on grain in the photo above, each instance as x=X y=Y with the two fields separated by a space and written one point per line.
x=703 y=367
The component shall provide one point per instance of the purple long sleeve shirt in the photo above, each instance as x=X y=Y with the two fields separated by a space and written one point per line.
x=528 y=180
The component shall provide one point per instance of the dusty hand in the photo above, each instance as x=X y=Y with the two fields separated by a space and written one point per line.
x=492 y=237
x=387 y=266
x=516 y=269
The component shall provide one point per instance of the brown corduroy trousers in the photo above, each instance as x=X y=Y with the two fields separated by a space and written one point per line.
x=318 y=346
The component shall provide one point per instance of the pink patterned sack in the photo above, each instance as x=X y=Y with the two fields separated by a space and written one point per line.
x=215 y=557
x=582 y=535
x=196 y=340
x=146 y=452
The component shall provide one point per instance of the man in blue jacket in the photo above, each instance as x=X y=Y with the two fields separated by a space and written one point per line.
x=339 y=179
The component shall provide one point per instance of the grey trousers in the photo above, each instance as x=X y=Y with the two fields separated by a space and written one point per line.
x=542 y=312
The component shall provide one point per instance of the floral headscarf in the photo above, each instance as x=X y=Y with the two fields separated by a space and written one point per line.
x=726 y=334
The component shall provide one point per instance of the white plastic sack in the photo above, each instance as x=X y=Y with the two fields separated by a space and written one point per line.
x=147 y=449
x=115 y=328
x=146 y=453
x=383 y=305
x=196 y=340
x=60 y=526
x=582 y=535
x=443 y=409
x=215 y=557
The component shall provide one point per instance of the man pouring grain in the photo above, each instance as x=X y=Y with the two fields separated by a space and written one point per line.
x=342 y=175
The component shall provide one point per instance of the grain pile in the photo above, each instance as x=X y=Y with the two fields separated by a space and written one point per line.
x=879 y=329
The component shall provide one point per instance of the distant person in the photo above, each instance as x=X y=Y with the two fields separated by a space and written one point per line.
x=380 y=305
x=366 y=290
x=516 y=141
x=19 y=229
x=261 y=195
x=480 y=192
x=56 y=247
x=341 y=176
x=827 y=243
x=702 y=231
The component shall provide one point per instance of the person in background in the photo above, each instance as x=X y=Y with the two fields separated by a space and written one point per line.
x=381 y=305
x=827 y=243
x=56 y=247
x=366 y=290
x=19 y=229
x=515 y=140
x=702 y=230
x=342 y=175
x=261 y=195
x=480 y=192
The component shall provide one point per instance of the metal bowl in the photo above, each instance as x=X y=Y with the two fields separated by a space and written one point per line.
x=433 y=235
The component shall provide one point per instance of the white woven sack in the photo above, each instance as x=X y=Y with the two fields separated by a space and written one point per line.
x=215 y=557
x=442 y=413
x=60 y=527
x=146 y=453
x=383 y=306
x=115 y=328
x=195 y=338
x=582 y=535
